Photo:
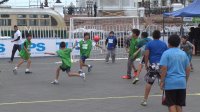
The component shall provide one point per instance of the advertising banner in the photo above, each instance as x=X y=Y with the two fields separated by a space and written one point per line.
x=38 y=47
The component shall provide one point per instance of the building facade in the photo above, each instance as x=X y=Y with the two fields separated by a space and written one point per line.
x=127 y=7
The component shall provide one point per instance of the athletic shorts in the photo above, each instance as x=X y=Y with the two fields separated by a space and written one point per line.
x=83 y=58
x=153 y=73
x=189 y=57
x=67 y=70
x=175 y=97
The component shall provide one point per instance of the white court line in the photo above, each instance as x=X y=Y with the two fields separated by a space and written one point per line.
x=75 y=61
x=85 y=99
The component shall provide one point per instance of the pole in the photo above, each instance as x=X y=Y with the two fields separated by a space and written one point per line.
x=149 y=8
x=163 y=27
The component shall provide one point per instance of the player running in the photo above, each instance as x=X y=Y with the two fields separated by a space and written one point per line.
x=189 y=49
x=153 y=53
x=85 y=49
x=141 y=49
x=131 y=49
x=65 y=55
x=25 y=55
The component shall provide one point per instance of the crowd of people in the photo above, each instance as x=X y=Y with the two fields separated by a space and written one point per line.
x=170 y=64
x=194 y=37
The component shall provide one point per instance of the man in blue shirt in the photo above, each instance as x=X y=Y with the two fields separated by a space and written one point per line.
x=153 y=53
x=175 y=67
x=111 y=43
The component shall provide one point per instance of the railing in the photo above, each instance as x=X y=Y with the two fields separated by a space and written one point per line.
x=38 y=32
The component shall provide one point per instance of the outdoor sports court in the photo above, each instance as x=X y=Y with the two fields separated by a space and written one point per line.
x=103 y=90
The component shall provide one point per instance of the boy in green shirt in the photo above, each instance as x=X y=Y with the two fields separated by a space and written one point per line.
x=131 y=49
x=65 y=55
x=85 y=50
x=25 y=55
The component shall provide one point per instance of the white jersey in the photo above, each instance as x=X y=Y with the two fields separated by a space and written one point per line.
x=16 y=35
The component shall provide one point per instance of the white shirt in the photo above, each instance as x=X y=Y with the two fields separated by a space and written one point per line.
x=16 y=35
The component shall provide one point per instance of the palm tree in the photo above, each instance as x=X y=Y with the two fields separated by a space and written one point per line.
x=3 y=1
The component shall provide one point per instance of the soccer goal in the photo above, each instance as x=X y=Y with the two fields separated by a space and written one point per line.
x=101 y=26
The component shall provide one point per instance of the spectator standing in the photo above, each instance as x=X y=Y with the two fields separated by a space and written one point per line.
x=17 y=43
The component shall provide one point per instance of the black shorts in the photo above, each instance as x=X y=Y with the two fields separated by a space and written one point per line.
x=152 y=75
x=175 y=97
x=67 y=70
x=83 y=58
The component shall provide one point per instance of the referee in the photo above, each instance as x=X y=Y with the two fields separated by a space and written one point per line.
x=17 y=42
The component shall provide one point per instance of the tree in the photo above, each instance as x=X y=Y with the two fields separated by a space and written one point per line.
x=3 y=1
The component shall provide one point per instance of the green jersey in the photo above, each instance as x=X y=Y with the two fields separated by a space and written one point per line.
x=23 y=53
x=85 y=47
x=133 y=47
x=65 y=55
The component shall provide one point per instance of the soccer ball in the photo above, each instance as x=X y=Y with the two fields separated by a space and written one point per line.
x=96 y=38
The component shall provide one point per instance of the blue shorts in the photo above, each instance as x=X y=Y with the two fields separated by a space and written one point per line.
x=83 y=58
x=189 y=57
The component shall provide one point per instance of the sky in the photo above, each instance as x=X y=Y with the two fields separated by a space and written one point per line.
x=17 y=3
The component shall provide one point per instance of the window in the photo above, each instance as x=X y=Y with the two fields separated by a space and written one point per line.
x=44 y=16
x=5 y=22
x=21 y=16
x=53 y=22
x=22 y=22
x=33 y=16
x=5 y=16
x=33 y=22
x=44 y=22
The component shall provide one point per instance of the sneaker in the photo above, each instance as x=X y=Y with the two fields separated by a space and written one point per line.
x=10 y=61
x=107 y=62
x=191 y=70
x=83 y=76
x=135 y=80
x=144 y=103
x=54 y=82
x=126 y=77
x=15 y=71
x=89 y=68
x=28 y=72
x=80 y=71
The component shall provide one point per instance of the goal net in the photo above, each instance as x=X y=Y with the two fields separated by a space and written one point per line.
x=101 y=26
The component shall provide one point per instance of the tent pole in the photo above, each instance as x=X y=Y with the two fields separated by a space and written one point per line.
x=163 y=27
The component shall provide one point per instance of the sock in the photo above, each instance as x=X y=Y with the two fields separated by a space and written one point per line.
x=16 y=68
x=89 y=65
x=56 y=80
x=27 y=70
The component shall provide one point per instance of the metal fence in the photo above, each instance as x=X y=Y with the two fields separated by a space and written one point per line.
x=37 y=32
x=121 y=32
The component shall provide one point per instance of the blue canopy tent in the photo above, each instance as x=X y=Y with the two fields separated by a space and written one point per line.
x=192 y=10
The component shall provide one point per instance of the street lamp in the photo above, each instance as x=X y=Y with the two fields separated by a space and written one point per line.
x=89 y=6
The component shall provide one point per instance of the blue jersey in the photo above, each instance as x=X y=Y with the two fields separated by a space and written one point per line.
x=111 y=42
x=176 y=62
x=156 y=49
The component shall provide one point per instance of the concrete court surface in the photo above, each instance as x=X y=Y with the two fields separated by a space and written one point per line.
x=103 y=90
